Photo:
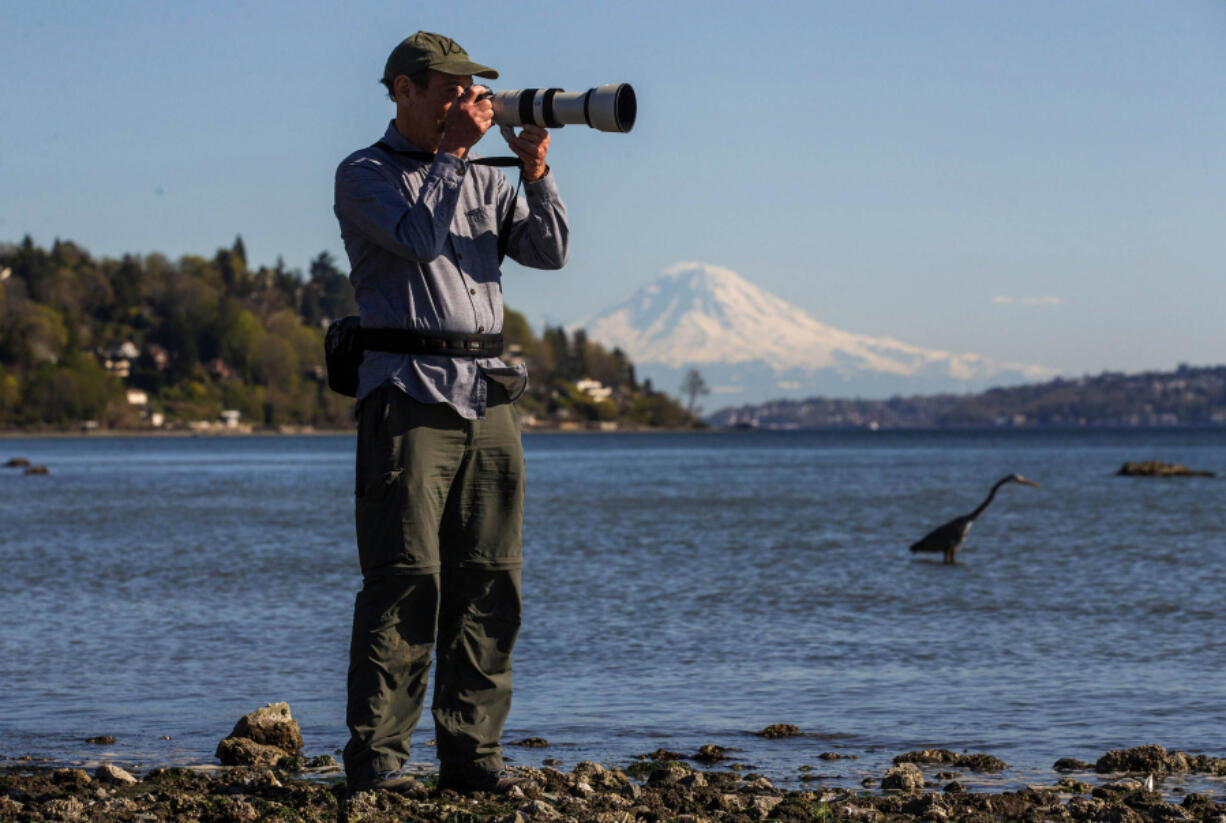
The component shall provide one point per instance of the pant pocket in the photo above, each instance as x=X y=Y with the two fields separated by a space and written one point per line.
x=391 y=534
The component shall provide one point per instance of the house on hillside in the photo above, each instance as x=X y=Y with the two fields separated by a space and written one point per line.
x=594 y=389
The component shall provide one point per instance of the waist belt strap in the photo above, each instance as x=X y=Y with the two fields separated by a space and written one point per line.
x=450 y=344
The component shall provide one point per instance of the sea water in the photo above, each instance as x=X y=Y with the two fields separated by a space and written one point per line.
x=680 y=589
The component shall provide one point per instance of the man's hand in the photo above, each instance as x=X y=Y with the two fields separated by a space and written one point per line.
x=467 y=121
x=531 y=144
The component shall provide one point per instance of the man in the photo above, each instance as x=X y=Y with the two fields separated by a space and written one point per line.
x=440 y=471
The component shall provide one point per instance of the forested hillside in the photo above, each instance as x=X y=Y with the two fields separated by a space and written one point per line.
x=143 y=341
x=1187 y=396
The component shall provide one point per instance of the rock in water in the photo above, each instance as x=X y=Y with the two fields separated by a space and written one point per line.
x=1156 y=468
x=927 y=756
x=271 y=726
x=532 y=743
x=261 y=738
x=17 y=463
x=981 y=763
x=777 y=730
x=1151 y=758
x=1069 y=764
x=975 y=762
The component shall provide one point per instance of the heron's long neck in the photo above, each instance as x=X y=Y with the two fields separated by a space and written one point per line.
x=988 y=499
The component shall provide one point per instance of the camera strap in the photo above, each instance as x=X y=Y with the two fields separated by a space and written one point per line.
x=504 y=231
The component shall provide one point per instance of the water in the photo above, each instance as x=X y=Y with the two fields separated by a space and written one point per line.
x=680 y=589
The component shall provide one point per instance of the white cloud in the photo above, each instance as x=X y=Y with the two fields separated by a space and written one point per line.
x=1007 y=300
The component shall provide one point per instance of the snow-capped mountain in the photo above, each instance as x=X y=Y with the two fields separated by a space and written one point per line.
x=751 y=346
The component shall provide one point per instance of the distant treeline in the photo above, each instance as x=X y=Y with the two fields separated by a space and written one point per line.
x=139 y=340
x=1187 y=396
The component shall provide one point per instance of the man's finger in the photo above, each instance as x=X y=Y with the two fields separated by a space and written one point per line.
x=526 y=145
x=526 y=149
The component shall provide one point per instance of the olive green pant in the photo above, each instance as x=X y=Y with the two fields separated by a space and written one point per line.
x=439 y=511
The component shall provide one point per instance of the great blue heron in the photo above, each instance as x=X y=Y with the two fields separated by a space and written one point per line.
x=948 y=539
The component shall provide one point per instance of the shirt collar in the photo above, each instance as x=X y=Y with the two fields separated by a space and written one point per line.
x=396 y=140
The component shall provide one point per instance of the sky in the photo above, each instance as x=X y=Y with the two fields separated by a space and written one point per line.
x=1037 y=182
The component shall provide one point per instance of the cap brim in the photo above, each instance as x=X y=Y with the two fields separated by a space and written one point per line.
x=465 y=67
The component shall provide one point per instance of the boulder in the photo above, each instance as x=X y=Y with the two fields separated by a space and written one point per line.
x=271 y=726
x=243 y=751
x=16 y=463
x=539 y=810
x=113 y=774
x=905 y=777
x=667 y=775
x=37 y=470
x=761 y=806
x=70 y=777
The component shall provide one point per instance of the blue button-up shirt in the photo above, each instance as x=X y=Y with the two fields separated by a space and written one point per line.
x=422 y=240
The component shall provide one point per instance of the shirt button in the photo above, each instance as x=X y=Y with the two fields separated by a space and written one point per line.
x=459 y=256
x=472 y=291
x=480 y=329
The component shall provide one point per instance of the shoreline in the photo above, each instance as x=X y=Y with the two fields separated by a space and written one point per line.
x=305 y=431
x=924 y=785
x=311 y=431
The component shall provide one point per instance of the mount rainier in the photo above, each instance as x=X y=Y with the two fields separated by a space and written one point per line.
x=751 y=346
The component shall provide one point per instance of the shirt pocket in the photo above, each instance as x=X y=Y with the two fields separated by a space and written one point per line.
x=483 y=233
x=482 y=219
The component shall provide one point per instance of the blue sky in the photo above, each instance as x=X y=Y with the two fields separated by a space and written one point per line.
x=1039 y=182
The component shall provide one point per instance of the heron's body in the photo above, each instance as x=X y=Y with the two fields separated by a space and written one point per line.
x=947 y=539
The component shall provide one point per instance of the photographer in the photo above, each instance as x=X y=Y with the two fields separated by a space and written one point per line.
x=440 y=470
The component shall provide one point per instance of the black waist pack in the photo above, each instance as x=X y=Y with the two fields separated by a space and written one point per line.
x=346 y=343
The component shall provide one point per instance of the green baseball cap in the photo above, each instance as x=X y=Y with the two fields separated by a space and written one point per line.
x=425 y=50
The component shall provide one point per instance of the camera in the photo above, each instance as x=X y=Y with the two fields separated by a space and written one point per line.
x=611 y=107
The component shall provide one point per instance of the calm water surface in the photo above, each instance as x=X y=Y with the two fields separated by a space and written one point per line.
x=680 y=590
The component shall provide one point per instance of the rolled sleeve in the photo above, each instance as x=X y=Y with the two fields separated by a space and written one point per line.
x=372 y=197
x=540 y=234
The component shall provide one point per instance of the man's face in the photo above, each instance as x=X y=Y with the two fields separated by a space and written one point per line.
x=429 y=106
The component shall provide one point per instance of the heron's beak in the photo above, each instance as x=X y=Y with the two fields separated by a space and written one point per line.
x=1029 y=482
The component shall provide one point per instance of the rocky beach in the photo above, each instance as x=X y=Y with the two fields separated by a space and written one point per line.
x=269 y=778
x=647 y=790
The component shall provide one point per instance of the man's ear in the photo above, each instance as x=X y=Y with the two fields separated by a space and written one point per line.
x=400 y=87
